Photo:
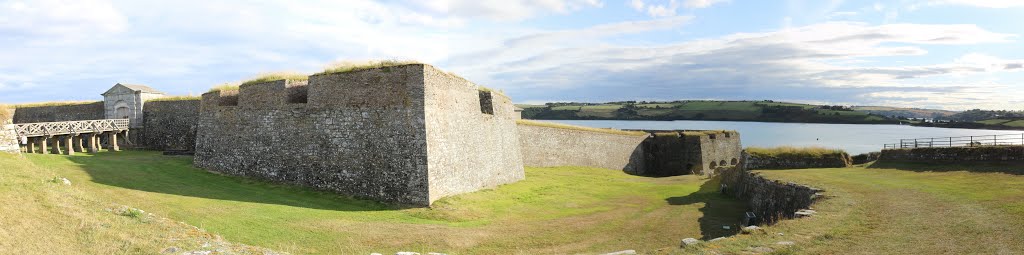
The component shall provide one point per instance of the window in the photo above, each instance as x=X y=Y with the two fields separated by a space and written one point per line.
x=486 y=106
x=298 y=94
x=712 y=136
x=735 y=161
x=722 y=163
x=712 y=165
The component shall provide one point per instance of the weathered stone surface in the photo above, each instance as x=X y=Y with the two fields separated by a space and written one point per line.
x=8 y=137
x=407 y=134
x=549 y=146
x=688 y=242
x=754 y=162
x=90 y=111
x=956 y=154
x=170 y=125
x=785 y=243
x=670 y=153
x=770 y=200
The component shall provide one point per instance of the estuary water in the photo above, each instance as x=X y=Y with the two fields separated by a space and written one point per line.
x=854 y=138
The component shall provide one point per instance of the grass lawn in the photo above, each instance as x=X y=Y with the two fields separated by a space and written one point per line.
x=921 y=209
x=993 y=121
x=561 y=210
x=720 y=106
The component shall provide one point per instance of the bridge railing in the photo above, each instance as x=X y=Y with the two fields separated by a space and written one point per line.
x=958 y=141
x=70 y=127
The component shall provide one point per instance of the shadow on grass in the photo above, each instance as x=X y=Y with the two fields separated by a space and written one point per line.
x=1016 y=168
x=151 y=172
x=719 y=210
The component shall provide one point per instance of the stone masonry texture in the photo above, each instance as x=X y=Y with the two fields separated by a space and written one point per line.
x=836 y=160
x=8 y=137
x=549 y=146
x=170 y=125
x=956 y=154
x=406 y=134
x=90 y=111
x=770 y=200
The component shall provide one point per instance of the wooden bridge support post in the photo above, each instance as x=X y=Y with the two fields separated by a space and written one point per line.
x=55 y=145
x=92 y=142
x=112 y=141
x=42 y=144
x=30 y=145
x=69 y=146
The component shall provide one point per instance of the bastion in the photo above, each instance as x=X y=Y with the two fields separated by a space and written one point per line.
x=407 y=134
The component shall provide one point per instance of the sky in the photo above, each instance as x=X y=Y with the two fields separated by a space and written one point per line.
x=945 y=54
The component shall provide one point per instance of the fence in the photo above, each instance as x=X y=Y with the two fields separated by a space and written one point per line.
x=70 y=127
x=958 y=141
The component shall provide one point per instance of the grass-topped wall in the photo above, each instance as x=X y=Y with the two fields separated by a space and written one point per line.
x=788 y=157
x=580 y=128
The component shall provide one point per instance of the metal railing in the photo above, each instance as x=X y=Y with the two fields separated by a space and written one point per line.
x=70 y=127
x=958 y=141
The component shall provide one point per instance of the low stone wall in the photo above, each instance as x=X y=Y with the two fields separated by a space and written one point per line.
x=54 y=113
x=767 y=162
x=550 y=146
x=959 y=154
x=8 y=137
x=770 y=200
x=170 y=125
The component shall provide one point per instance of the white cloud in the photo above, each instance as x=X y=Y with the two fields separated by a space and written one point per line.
x=60 y=18
x=503 y=10
x=696 y=4
x=671 y=7
x=636 y=4
x=981 y=3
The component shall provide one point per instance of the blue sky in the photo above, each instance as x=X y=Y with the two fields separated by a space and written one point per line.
x=949 y=54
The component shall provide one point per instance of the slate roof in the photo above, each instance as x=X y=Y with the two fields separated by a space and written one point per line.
x=136 y=87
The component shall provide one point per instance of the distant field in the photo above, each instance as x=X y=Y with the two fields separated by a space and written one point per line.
x=703 y=110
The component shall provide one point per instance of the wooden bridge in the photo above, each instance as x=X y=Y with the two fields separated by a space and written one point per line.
x=68 y=137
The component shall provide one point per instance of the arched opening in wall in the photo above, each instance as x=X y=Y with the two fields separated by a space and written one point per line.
x=735 y=161
x=713 y=165
x=486 y=102
x=298 y=94
x=121 y=110
x=722 y=163
x=712 y=136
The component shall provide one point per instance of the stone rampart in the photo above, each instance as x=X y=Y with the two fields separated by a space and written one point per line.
x=170 y=125
x=406 y=134
x=770 y=200
x=956 y=154
x=836 y=160
x=8 y=137
x=54 y=113
x=670 y=153
x=551 y=146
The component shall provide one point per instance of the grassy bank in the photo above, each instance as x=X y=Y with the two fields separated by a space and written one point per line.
x=795 y=152
x=560 y=210
x=899 y=209
x=40 y=214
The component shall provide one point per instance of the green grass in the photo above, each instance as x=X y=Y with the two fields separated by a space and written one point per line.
x=276 y=76
x=720 y=105
x=1015 y=123
x=580 y=128
x=921 y=209
x=41 y=215
x=563 y=210
x=527 y=106
x=567 y=108
x=993 y=121
x=63 y=103
x=176 y=98
x=230 y=86
x=351 y=66
x=6 y=113
x=790 y=151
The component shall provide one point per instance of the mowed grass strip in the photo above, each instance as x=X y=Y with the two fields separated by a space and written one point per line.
x=891 y=211
x=562 y=210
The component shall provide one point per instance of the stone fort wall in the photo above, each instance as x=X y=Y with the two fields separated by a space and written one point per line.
x=551 y=146
x=8 y=137
x=170 y=125
x=1013 y=153
x=407 y=134
x=770 y=200
x=63 y=112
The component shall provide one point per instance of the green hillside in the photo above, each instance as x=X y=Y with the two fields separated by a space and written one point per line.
x=768 y=111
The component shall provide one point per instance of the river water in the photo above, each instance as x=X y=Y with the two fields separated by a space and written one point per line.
x=854 y=138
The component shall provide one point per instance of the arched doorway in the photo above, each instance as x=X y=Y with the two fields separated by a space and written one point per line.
x=121 y=110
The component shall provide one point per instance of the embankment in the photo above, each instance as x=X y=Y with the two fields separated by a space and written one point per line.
x=956 y=154
x=796 y=158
